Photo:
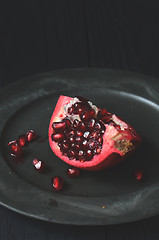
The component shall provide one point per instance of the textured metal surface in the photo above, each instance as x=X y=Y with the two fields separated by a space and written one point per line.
x=29 y=104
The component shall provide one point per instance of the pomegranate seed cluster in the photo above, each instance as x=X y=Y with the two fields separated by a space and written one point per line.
x=80 y=135
x=16 y=146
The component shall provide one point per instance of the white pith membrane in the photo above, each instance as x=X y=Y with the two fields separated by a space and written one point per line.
x=76 y=116
x=119 y=138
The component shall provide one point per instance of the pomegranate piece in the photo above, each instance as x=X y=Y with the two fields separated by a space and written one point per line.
x=31 y=135
x=57 y=183
x=73 y=172
x=87 y=137
x=39 y=165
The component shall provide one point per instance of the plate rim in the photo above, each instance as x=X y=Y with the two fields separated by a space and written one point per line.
x=148 y=92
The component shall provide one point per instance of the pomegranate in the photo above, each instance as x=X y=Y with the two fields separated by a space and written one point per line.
x=88 y=137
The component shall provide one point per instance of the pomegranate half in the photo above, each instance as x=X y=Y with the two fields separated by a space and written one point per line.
x=88 y=137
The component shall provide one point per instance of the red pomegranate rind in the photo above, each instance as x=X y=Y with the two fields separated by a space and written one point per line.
x=119 y=139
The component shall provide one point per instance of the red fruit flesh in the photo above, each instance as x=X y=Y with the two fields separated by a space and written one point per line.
x=91 y=139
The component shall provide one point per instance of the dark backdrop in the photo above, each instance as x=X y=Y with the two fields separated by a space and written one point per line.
x=38 y=36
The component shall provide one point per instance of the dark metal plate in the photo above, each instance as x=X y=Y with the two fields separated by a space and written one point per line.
x=29 y=103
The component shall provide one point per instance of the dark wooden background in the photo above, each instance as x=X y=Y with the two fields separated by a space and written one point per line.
x=43 y=35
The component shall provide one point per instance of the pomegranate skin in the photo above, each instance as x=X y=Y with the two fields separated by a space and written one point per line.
x=114 y=149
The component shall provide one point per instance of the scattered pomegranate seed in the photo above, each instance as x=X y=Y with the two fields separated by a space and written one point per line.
x=39 y=165
x=15 y=149
x=22 y=140
x=73 y=172
x=57 y=183
x=31 y=135
x=11 y=142
x=138 y=175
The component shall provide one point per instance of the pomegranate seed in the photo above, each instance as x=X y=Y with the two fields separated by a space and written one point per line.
x=77 y=146
x=80 y=154
x=86 y=135
x=91 y=124
x=58 y=137
x=70 y=110
x=98 y=150
x=82 y=126
x=57 y=183
x=84 y=144
x=59 y=126
x=89 y=154
x=17 y=158
x=102 y=112
x=107 y=118
x=100 y=140
x=60 y=144
x=31 y=135
x=72 y=154
x=39 y=165
x=78 y=133
x=71 y=133
x=22 y=140
x=95 y=134
x=100 y=126
x=73 y=172
x=16 y=149
x=76 y=123
x=138 y=175
x=11 y=142
x=91 y=144
x=65 y=146
x=87 y=115
x=78 y=139
x=68 y=123
x=71 y=139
